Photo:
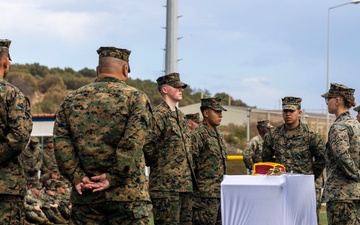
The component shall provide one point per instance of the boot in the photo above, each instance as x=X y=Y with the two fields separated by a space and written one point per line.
x=59 y=220
x=28 y=223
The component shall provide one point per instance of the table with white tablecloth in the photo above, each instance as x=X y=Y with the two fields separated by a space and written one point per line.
x=288 y=199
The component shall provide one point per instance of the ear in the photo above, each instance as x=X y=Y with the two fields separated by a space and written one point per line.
x=300 y=111
x=164 y=90
x=206 y=113
x=125 y=70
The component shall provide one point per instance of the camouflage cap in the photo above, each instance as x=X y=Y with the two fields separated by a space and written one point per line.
x=194 y=117
x=172 y=79
x=357 y=108
x=37 y=185
x=60 y=184
x=50 y=185
x=264 y=123
x=118 y=53
x=291 y=103
x=5 y=45
x=338 y=90
x=49 y=140
x=213 y=103
x=55 y=168
x=34 y=140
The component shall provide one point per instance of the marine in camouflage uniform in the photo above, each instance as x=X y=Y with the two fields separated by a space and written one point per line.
x=31 y=159
x=254 y=148
x=167 y=152
x=49 y=160
x=342 y=187
x=33 y=205
x=15 y=129
x=99 y=135
x=209 y=153
x=193 y=120
x=294 y=145
x=50 y=204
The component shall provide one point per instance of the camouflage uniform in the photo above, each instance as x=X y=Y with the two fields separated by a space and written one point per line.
x=50 y=204
x=167 y=152
x=15 y=129
x=300 y=150
x=295 y=150
x=100 y=128
x=254 y=145
x=342 y=188
x=209 y=152
x=32 y=159
x=253 y=150
x=32 y=200
x=49 y=160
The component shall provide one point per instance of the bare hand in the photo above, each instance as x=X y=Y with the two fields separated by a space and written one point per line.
x=84 y=185
x=100 y=183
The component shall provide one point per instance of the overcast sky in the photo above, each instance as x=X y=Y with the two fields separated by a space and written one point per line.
x=257 y=51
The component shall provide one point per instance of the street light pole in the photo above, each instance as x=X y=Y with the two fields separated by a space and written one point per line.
x=328 y=54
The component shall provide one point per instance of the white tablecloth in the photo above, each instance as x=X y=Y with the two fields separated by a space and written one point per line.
x=268 y=200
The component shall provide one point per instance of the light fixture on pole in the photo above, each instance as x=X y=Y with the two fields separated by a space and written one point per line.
x=328 y=54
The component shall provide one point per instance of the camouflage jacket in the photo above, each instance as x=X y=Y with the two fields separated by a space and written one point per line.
x=167 y=151
x=343 y=160
x=32 y=200
x=300 y=150
x=15 y=129
x=31 y=158
x=101 y=128
x=253 y=150
x=48 y=160
x=209 y=152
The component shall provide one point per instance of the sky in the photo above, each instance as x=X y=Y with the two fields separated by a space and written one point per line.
x=256 y=51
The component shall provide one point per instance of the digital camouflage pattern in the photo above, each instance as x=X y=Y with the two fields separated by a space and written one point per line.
x=31 y=160
x=212 y=103
x=5 y=45
x=344 y=213
x=15 y=129
x=132 y=213
x=172 y=79
x=300 y=150
x=206 y=211
x=49 y=160
x=101 y=128
x=337 y=90
x=31 y=200
x=291 y=103
x=168 y=203
x=252 y=152
x=209 y=152
x=194 y=117
x=119 y=53
x=343 y=160
x=167 y=151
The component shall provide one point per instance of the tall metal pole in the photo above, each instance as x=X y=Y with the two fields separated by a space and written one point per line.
x=171 y=48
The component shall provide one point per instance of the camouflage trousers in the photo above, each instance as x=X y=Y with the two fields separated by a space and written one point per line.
x=206 y=211
x=343 y=212
x=172 y=208
x=12 y=210
x=111 y=213
x=318 y=202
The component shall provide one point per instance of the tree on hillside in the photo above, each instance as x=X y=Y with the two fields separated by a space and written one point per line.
x=24 y=81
